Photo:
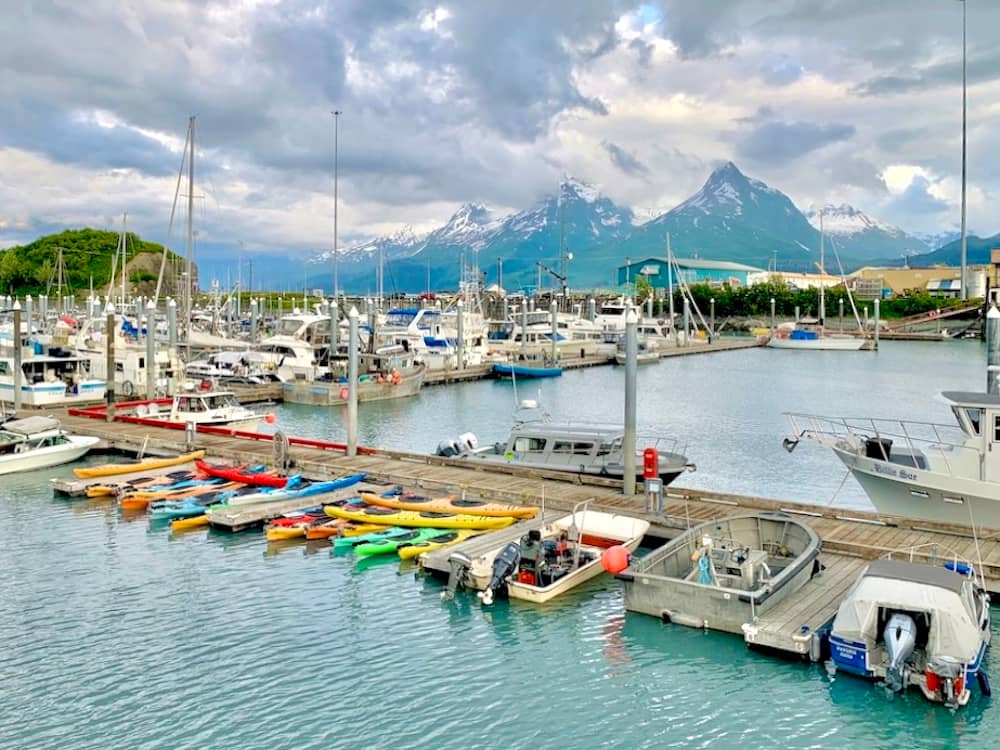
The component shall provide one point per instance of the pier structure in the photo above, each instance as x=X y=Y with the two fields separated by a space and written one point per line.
x=850 y=537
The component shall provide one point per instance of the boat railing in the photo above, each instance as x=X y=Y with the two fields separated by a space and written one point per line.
x=932 y=552
x=932 y=439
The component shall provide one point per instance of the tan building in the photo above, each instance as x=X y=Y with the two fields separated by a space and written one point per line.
x=870 y=282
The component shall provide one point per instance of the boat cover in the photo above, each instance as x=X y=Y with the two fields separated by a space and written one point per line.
x=954 y=631
x=31 y=425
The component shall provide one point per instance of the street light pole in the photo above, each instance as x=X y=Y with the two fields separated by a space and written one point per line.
x=336 y=176
x=965 y=292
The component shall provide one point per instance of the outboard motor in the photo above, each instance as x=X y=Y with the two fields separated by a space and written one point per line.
x=505 y=564
x=945 y=677
x=447 y=449
x=468 y=441
x=900 y=637
x=458 y=565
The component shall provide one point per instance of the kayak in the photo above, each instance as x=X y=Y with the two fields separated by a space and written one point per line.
x=389 y=516
x=89 y=472
x=411 y=501
x=185 y=524
x=390 y=544
x=120 y=488
x=340 y=527
x=292 y=525
x=348 y=542
x=316 y=488
x=244 y=475
x=442 y=540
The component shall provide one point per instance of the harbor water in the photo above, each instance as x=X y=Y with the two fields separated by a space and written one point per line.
x=118 y=634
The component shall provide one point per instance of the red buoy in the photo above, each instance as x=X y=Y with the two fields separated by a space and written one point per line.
x=650 y=463
x=616 y=559
x=344 y=394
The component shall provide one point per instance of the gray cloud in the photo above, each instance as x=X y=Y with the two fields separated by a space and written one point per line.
x=781 y=71
x=625 y=161
x=917 y=199
x=784 y=142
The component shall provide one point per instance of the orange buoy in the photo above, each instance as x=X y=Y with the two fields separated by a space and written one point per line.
x=616 y=559
x=270 y=418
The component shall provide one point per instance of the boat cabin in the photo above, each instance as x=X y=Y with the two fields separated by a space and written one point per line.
x=21 y=435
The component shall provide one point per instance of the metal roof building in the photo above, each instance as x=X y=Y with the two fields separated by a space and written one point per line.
x=690 y=270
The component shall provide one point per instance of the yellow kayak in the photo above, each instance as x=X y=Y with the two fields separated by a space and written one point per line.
x=409 y=518
x=183 y=524
x=89 y=472
x=410 y=501
x=444 y=540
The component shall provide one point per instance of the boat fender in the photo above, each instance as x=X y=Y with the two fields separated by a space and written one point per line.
x=984 y=683
x=20 y=448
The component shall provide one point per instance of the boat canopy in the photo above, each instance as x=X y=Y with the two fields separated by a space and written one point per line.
x=31 y=425
x=947 y=597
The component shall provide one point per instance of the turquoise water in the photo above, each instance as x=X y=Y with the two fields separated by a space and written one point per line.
x=118 y=635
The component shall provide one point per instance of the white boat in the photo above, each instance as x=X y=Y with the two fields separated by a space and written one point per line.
x=390 y=372
x=724 y=574
x=208 y=407
x=300 y=345
x=645 y=353
x=51 y=381
x=815 y=337
x=37 y=443
x=551 y=560
x=937 y=472
x=574 y=447
x=915 y=624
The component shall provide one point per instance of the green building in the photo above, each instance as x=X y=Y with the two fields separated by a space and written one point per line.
x=690 y=271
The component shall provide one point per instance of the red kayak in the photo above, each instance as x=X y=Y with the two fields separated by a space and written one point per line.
x=239 y=474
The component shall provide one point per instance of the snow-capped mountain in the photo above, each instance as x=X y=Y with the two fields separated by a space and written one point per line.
x=857 y=235
x=935 y=240
x=735 y=218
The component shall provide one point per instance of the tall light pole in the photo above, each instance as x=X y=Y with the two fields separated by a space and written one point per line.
x=965 y=291
x=336 y=169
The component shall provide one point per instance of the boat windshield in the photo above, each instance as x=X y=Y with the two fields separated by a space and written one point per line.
x=969 y=418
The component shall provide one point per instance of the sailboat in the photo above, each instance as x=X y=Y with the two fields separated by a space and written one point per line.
x=815 y=337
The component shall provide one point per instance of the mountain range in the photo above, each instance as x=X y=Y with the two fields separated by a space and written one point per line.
x=733 y=217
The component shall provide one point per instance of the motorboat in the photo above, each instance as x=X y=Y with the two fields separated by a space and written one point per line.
x=387 y=373
x=552 y=559
x=37 y=443
x=645 y=353
x=203 y=406
x=55 y=379
x=724 y=574
x=937 y=472
x=914 y=624
x=246 y=367
x=536 y=442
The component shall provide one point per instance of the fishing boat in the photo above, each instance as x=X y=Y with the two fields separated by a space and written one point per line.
x=914 y=624
x=388 y=373
x=537 y=442
x=948 y=473
x=47 y=380
x=646 y=354
x=555 y=558
x=528 y=364
x=37 y=443
x=725 y=573
x=204 y=406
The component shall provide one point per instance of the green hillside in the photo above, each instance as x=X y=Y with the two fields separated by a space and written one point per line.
x=87 y=256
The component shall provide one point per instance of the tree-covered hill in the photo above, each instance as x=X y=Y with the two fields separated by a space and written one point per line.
x=87 y=256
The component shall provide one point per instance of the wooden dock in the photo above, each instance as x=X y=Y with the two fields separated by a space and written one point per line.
x=850 y=537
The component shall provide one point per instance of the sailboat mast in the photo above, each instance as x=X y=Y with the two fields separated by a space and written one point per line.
x=822 y=272
x=124 y=253
x=189 y=267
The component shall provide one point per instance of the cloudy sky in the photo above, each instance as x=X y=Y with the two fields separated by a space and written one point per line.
x=853 y=101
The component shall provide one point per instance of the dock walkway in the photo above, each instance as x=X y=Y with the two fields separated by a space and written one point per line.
x=850 y=537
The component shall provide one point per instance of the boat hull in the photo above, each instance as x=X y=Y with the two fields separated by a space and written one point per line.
x=43 y=458
x=318 y=393
x=823 y=343
x=916 y=493
x=505 y=370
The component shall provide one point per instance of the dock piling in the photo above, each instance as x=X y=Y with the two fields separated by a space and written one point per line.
x=172 y=324
x=352 y=382
x=460 y=315
x=631 y=373
x=109 y=361
x=554 y=314
x=876 y=307
x=992 y=350
x=151 y=350
x=16 y=339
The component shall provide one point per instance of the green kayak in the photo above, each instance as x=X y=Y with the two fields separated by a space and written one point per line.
x=341 y=543
x=391 y=544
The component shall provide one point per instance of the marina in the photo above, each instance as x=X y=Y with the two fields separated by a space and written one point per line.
x=851 y=536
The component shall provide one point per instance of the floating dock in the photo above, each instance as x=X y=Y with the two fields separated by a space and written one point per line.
x=850 y=537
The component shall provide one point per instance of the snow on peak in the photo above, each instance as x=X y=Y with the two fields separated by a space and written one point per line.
x=846 y=220
x=571 y=187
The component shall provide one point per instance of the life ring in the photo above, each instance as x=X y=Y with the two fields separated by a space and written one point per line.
x=128 y=388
